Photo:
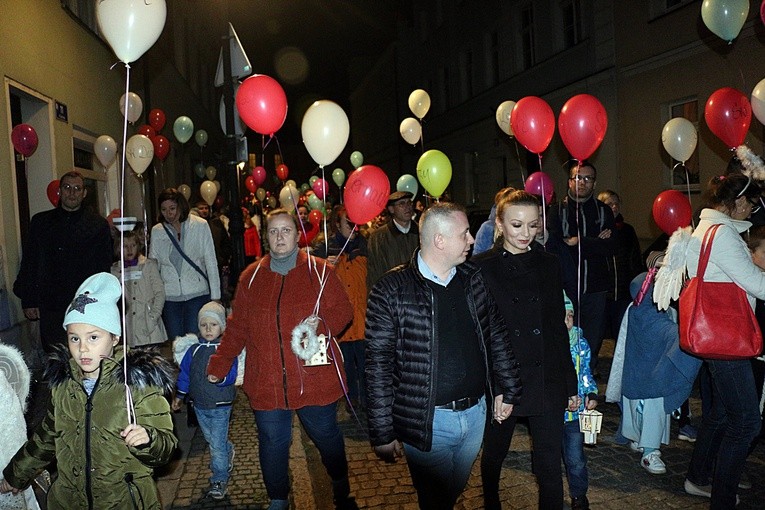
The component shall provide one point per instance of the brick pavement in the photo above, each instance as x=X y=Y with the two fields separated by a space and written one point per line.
x=616 y=479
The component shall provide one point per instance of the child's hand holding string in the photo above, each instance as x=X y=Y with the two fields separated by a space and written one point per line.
x=135 y=435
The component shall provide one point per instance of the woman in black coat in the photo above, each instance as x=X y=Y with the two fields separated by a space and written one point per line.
x=526 y=284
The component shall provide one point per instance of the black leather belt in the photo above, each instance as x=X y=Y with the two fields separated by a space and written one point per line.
x=461 y=404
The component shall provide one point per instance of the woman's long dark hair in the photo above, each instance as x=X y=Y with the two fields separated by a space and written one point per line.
x=177 y=197
x=725 y=189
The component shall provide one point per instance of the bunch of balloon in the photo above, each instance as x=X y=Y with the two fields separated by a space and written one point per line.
x=679 y=139
x=434 y=171
x=725 y=18
x=671 y=210
x=728 y=115
x=582 y=125
x=533 y=124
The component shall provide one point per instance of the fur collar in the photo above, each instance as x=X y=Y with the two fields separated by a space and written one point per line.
x=146 y=367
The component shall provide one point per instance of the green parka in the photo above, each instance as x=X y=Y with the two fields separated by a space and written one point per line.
x=96 y=469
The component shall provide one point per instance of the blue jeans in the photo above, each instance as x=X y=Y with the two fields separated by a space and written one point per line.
x=214 y=425
x=353 y=361
x=181 y=317
x=727 y=431
x=575 y=459
x=275 y=435
x=440 y=474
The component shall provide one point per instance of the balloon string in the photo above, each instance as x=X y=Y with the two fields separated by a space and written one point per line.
x=422 y=138
x=128 y=396
x=518 y=155
x=278 y=147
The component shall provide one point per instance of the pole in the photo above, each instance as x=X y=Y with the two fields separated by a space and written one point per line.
x=236 y=220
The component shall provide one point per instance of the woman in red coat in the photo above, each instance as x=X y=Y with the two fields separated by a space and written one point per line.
x=274 y=296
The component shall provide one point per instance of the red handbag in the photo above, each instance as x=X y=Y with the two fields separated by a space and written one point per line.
x=716 y=319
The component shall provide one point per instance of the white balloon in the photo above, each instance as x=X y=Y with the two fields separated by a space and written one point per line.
x=679 y=138
x=139 y=152
x=419 y=103
x=217 y=185
x=134 y=106
x=325 y=130
x=291 y=183
x=211 y=172
x=106 y=149
x=288 y=196
x=208 y=192
x=758 y=101
x=131 y=26
x=185 y=191
x=411 y=130
x=503 y=117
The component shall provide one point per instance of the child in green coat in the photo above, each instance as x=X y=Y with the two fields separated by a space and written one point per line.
x=106 y=445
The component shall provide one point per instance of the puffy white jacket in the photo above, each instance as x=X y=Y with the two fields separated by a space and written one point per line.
x=730 y=259
x=196 y=241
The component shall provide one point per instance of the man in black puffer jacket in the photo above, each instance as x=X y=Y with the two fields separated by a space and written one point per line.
x=436 y=346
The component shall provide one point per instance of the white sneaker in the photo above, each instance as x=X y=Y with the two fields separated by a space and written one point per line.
x=634 y=447
x=653 y=463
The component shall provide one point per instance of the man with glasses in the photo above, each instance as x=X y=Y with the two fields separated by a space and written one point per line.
x=394 y=243
x=64 y=246
x=587 y=227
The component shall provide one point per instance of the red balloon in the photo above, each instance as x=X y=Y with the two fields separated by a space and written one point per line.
x=315 y=217
x=24 y=139
x=218 y=203
x=320 y=187
x=161 y=146
x=582 y=125
x=262 y=104
x=540 y=184
x=366 y=193
x=259 y=174
x=671 y=210
x=282 y=172
x=533 y=123
x=147 y=131
x=53 y=192
x=302 y=200
x=250 y=184
x=728 y=114
x=157 y=119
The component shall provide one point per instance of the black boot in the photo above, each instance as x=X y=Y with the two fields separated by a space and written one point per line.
x=341 y=490
x=581 y=503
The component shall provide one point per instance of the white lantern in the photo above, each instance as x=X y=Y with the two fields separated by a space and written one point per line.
x=589 y=425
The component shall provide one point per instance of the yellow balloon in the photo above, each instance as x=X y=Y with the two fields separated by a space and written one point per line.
x=434 y=171
x=208 y=192
x=211 y=172
x=419 y=103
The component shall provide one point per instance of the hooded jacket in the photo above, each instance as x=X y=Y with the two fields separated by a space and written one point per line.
x=401 y=346
x=96 y=469
x=144 y=299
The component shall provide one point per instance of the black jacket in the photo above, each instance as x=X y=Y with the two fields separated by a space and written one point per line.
x=402 y=344
x=587 y=220
x=527 y=289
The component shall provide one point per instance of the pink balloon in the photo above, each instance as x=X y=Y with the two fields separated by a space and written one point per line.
x=259 y=174
x=320 y=187
x=24 y=139
x=540 y=184
x=533 y=123
x=582 y=125
x=366 y=193
x=262 y=104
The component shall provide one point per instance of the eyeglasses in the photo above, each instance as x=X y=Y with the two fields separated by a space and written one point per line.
x=583 y=178
x=68 y=187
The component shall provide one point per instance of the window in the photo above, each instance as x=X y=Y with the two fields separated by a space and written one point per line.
x=573 y=32
x=466 y=71
x=527 y=36
x=84 y=11
x=686 y=177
